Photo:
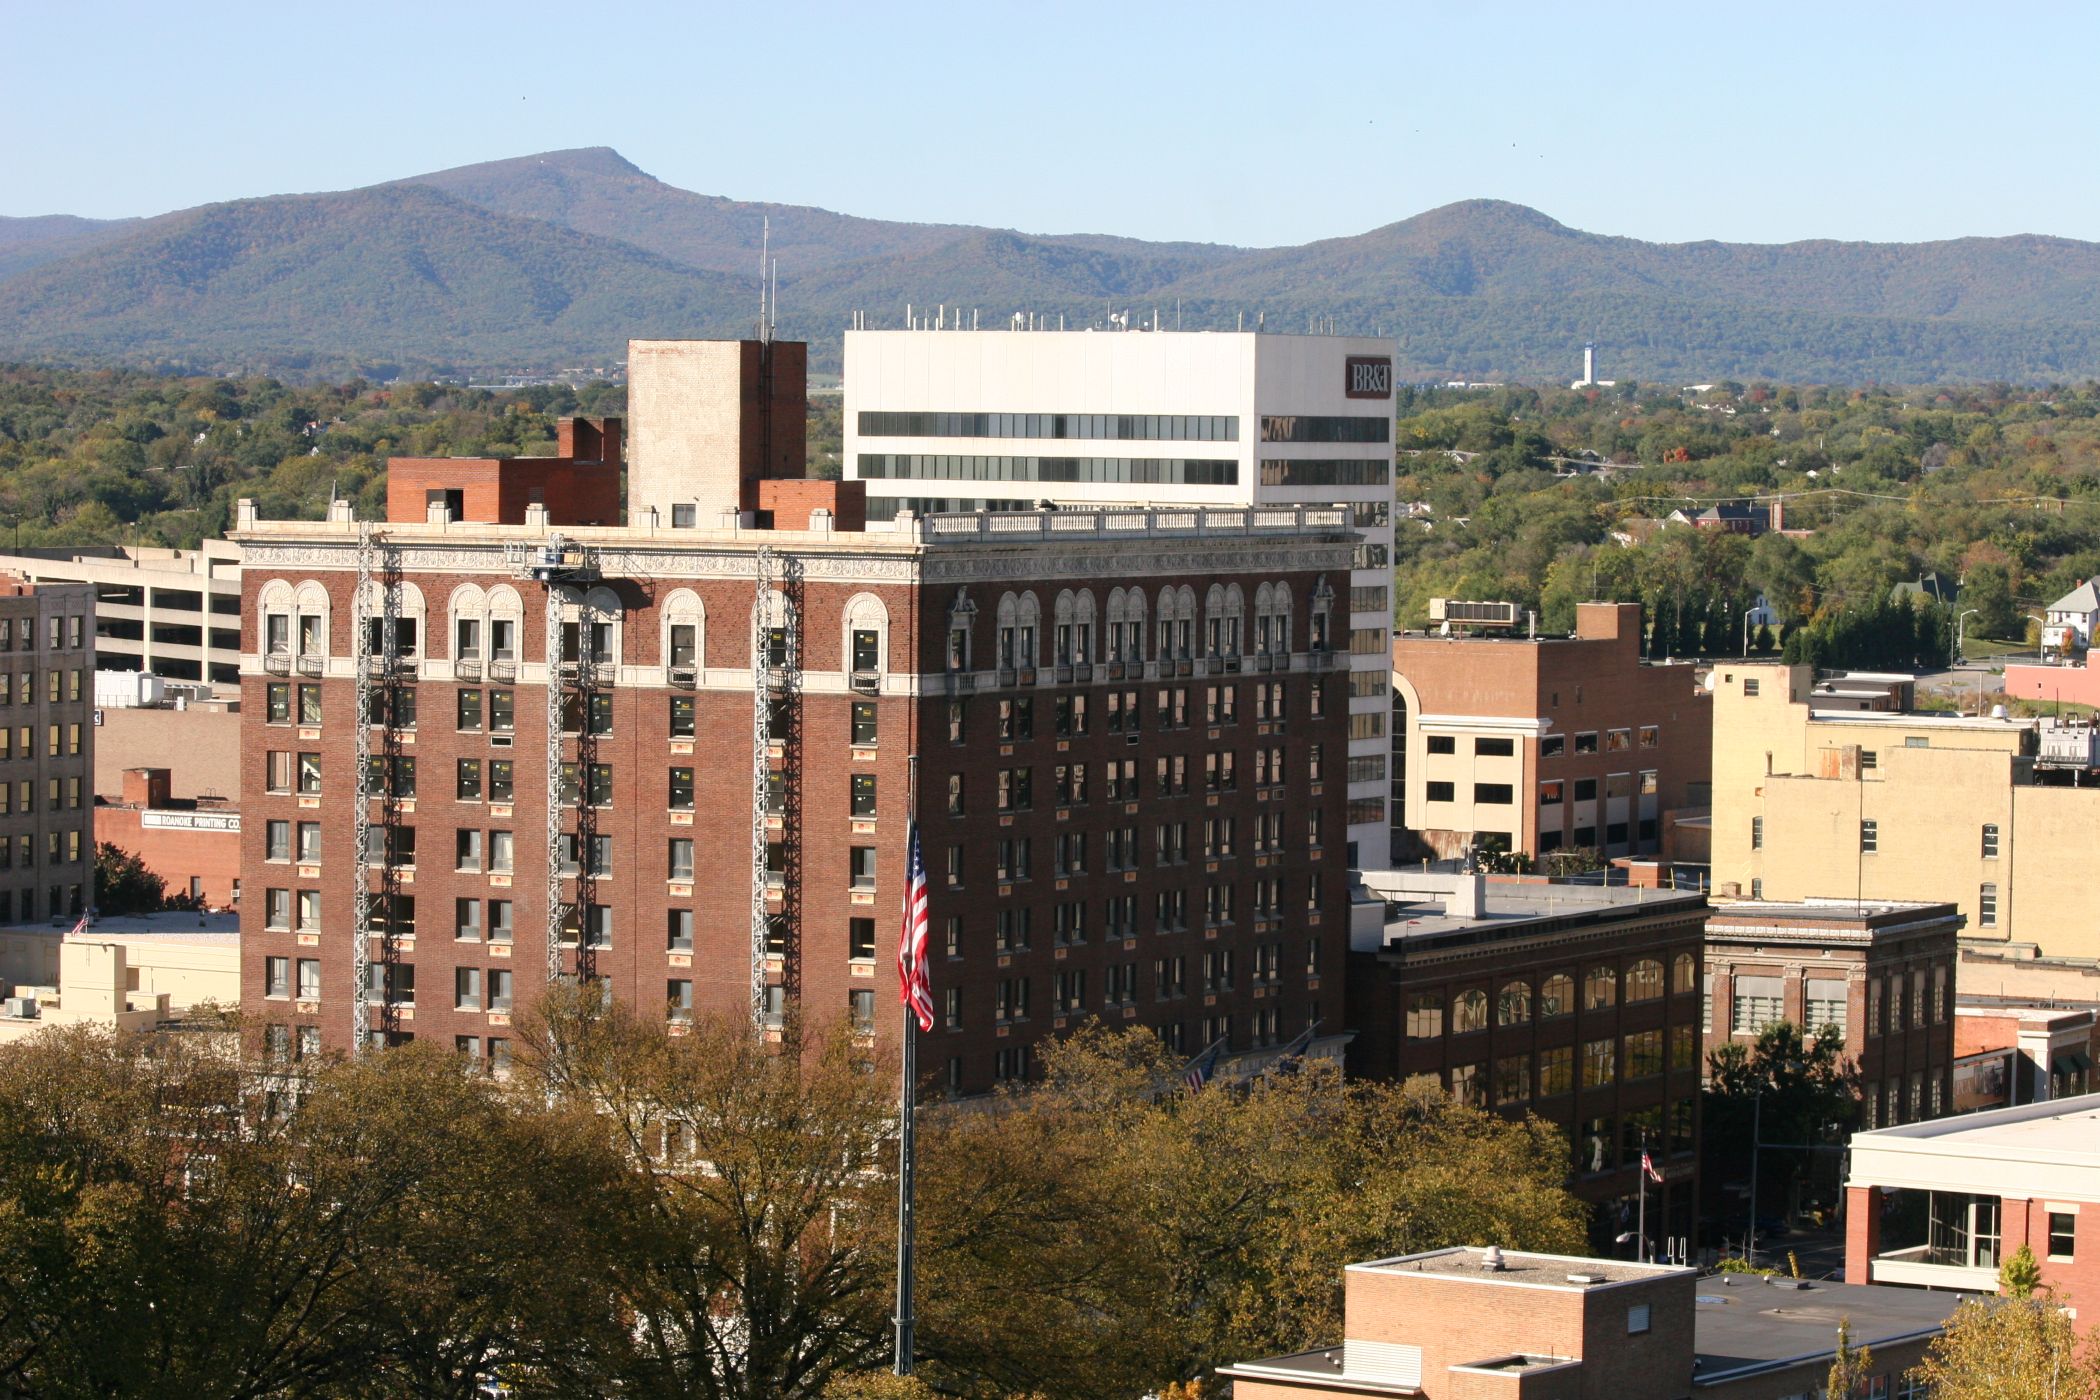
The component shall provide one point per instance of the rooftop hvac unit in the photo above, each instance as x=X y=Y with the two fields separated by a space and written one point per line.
x=1474 y=614
x=22 y=1008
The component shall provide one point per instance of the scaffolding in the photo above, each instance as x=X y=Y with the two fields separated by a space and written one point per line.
x=375 y=775
x=775 y=776
x=559 y=565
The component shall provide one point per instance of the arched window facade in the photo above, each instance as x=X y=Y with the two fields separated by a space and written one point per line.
x=1644 y=980
x=1513 y=1005
x=1684 y=973
x=1469 y=1011
x=1600 y=988
x=866 y=638
x=1556 y=996
x=683 y=643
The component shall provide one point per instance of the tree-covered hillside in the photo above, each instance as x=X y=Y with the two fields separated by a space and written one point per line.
x=1995 y=488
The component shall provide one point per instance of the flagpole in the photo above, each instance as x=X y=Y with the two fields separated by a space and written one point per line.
x=1642 y=1252
x=906 y=1147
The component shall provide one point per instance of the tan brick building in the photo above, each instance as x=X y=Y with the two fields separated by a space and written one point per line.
x=47 y=749
x=1116 y=821
x=1495 y=1324
x=1536 y=744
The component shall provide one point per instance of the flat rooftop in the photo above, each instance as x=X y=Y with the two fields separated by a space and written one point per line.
x=172 y=926
x=1829 y=918
x=1743 y=1323
x=1510 y=907
x=2064 y=1130
x=1563 y=1271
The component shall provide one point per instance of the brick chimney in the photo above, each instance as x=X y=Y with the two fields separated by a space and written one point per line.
x=146 y=787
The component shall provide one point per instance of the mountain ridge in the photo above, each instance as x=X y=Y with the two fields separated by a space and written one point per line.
x=556 y=258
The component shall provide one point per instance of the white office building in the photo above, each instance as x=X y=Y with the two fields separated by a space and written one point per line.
x=1012 y=420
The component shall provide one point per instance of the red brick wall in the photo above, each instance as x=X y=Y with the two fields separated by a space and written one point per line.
x=791 y=502
x=175 y=854
x=497 y=491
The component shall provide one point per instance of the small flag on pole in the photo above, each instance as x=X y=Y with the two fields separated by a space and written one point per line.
x=1198 y=1071
x=1287 y=1060
x=1648 y=1167
x=915 y=987
x=80 y=927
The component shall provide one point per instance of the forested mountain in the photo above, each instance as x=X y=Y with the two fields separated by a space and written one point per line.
x=550 y=260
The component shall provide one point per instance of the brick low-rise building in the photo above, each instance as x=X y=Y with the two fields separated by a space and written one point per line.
x=1879 y=972
x=194 y=846
x=1496 y=1324
x=1118 y=820
x=1578 y=1003
x=1538 y=744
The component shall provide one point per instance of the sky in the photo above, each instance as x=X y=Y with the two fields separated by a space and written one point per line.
x=1250 y=124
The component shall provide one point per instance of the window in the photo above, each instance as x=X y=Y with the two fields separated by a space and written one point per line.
x=499 y=988
x=681 y=859
x=1599 y=1063
x=1440 y=792
x=860 y=939
x=310 y=774
x=309 y=979
x=1757 y=833
x=466 y=849
x=681 y=717
x=1644 y=1054
x=1469 y=1012
x=277 y=977
x=466 y=989
x=1990 y=840
x=1556 y=1071
x=1494 y=748
x=1556 y=996
x=1513 y=1004
x=466 y=919
x=1987 y=906
x=1749 y=687
x=278 y=703
x=1636 y=1319
x=1651 y=736
x=499 y=921
x=2063 y=1231
x=1442 y=743
x=1425 y=1016
x=678 y=931
x=1493 y=794
x=467 y=784
x=863 y=796
x=681 y=790
x=1586 y=743
x=1824 y=1006
x=1553 y=746
x=863 y=723
x=1550 y=792
x=277 y=840
x=1644 y=980
x=1600 y=988
x=1759 y=1001
x=1869 y=836
x=863 y=867
x=1512 y=1079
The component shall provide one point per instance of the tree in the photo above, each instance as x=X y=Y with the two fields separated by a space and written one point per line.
x=123 y=884
x=1786 y=1087
x=1850 y=1368
x=2020 y=1275
x=2010 y=1349
x=755 y=1260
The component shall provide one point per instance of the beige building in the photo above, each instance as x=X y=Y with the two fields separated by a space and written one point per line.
x=1836 y=790
x=134 y=973
x=174 y=613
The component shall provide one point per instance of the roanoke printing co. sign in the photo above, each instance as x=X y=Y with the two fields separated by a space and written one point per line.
x=1369 y=377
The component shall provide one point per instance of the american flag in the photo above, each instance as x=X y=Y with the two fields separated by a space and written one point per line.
x=1648 y=1166
x=1197 y=1072
x=915 y=988
x=80 y=927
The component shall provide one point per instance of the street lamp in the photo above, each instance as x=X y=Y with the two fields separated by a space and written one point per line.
x=1748 y=613
x=2041 y=625
x=1960 y=633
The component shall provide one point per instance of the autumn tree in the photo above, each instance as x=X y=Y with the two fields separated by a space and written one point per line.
x=2010 y=1349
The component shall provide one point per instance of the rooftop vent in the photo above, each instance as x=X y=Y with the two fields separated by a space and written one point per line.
x=1491 y=1259
x=1585 y=1278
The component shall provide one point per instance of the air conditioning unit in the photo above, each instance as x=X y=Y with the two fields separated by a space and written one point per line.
x=500 y=741
x=1472 y=614
x=22 y=1008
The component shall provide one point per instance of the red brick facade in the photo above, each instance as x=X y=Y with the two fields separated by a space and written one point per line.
x=580 y=485
x=1282 y=954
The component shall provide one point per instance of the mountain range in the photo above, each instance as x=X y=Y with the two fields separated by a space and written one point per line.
x=554 y=260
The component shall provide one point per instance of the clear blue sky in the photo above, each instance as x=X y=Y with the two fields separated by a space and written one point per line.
x=1253 y=124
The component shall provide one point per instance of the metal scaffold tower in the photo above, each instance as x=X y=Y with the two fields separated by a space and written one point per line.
x=374 y=774
x=775 y=773
x=558 y=565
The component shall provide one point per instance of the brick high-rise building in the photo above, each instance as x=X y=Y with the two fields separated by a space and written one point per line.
x=1115 y=822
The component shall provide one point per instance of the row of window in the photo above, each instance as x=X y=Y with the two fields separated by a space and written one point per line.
x=1345 y=471
x=1174 y=707
x=60 y=686
x=1307 y=427
x=1599 y=1063
x=1139 y=471
x=1015 y=787
x=19 y=633
x=1552 y=792
x=1515 y=1003
x=1115 y=427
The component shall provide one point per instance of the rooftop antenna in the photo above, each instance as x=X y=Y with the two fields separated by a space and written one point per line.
x=765 y=257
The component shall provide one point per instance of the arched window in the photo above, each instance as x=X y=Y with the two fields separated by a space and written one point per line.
x=506 y=619
x=1083 y=620
x=1513 y=1006
x=409 y=614
x=1214 y=621
x=273 y=603
x=1235 y=614
x=1556 y=996
x=311 y=634
x=683 y=642
x=1644 y=980
x=1134 y=625
x=1600 y=988
x=867 y=640
x=1064 y=612
x=1184 y=621
x=1469 y=1011
x=601 y=621
x=1322 y=616
x=770 y=619
x=467 y=610
x=1684 y=973
x=1029 y=643
x=962 y=623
